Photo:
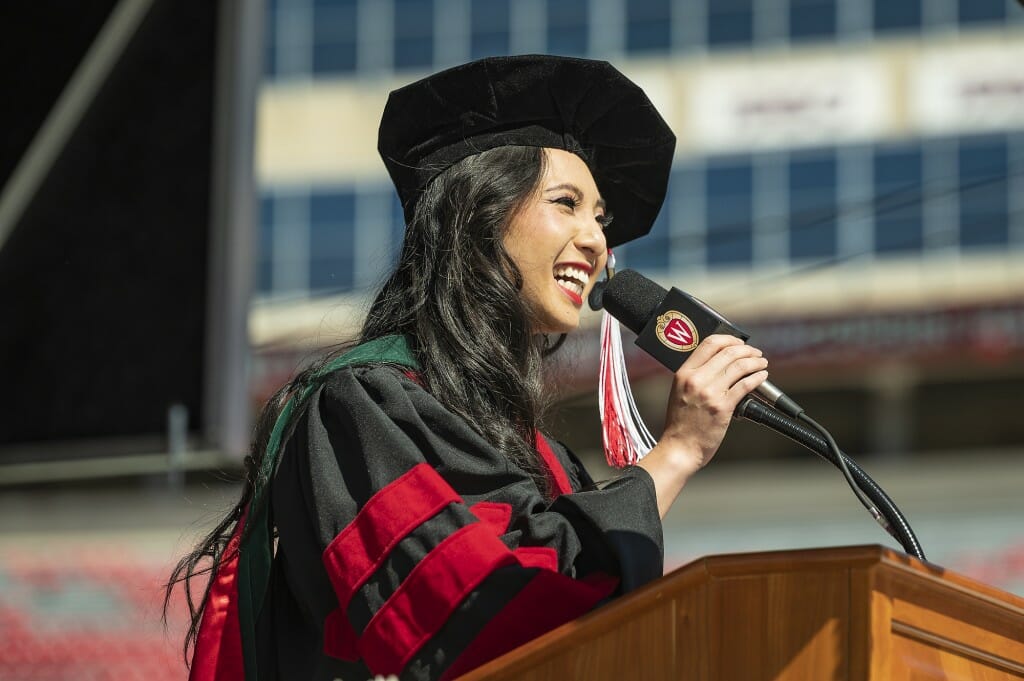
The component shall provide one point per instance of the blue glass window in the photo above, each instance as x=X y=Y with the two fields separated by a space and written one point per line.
x=730 y=22
x=897 y=205
x=687 y=225
x=897 y=15
x=648 y=25
x=567 y=27
x=270 y=40
x=414 y=34
x=812 y=19
x=334 y=36
x=331 y=241
x=984 y=198
x=270 y=57
x=288 y=43
x=729 y=205
x=812 y=206
x=264 y=263
x=981 y=11
x=489 y=24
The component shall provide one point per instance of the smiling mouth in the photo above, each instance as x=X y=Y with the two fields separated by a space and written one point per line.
x=572 y=279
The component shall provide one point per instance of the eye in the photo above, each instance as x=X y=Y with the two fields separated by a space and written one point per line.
x=605 y=220
x=570 y=202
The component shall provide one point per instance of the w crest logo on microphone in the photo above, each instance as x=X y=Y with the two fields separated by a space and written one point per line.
x=676 y=325
x=676 y=331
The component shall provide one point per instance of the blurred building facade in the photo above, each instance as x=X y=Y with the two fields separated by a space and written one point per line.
x=848 y=185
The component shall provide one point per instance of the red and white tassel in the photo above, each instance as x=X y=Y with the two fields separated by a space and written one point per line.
x=625 y=435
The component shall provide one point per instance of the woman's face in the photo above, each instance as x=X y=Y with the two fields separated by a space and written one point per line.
x=557 y=241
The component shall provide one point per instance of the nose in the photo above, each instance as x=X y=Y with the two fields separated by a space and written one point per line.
x=591 y=242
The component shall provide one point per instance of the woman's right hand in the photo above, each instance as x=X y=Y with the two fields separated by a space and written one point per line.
x=705 y=392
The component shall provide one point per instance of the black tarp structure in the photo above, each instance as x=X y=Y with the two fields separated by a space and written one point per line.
x=105 y=275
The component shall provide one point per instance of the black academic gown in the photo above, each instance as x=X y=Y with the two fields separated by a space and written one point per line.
x=408 y=544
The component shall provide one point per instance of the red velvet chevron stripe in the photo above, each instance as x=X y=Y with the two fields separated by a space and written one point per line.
x=359 y=549
x=494 y=514
x=432 y=591
x=387 y=518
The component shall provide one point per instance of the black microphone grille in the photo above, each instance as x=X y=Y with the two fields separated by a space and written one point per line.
x=632 y=298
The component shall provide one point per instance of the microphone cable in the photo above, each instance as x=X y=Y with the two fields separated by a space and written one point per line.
x=817 y=439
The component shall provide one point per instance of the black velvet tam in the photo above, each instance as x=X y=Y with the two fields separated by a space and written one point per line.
x=580 y=105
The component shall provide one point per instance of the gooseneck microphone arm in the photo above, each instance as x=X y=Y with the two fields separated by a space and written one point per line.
x=897 y=525
x=670 y=324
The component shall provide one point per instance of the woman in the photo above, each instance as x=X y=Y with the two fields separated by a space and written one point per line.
x=424 y=524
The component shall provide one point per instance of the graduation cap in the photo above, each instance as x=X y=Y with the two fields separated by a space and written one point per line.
x=583 y=106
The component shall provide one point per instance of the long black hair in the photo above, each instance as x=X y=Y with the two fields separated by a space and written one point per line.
x=455 y=294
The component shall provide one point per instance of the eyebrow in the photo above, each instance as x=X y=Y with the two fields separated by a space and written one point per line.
x=567 y=186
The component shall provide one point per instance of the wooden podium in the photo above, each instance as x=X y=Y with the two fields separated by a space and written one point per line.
x=850 y=614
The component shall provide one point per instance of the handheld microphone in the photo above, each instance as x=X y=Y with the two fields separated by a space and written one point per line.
x=670 y=324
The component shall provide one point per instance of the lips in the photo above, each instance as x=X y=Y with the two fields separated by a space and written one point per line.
x=573 y=278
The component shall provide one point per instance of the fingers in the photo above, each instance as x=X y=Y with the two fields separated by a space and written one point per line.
x=747 y=385
x=741 y=368
x=719 y=353
x=710 y=347
x=730 y=357
x=724 y=371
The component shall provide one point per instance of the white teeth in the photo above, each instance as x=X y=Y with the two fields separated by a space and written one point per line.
x=576 y=287
x=573 y=276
